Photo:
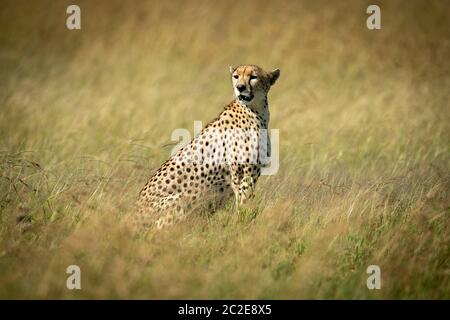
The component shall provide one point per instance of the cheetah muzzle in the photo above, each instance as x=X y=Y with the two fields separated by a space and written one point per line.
x=245 y=98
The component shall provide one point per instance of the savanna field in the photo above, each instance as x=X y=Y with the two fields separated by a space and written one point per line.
x=86 y=117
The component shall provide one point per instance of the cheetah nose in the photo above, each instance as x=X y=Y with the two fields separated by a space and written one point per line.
x=240 y=87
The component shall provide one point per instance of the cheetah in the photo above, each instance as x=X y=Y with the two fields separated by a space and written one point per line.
x=224 y=159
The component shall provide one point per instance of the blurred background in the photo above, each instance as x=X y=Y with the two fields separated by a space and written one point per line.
x=86 y=117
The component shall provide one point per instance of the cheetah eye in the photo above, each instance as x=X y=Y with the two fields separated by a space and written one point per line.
x=236 y=76
x=253 y=77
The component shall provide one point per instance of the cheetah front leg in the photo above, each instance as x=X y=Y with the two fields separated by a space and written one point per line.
x=243 y=184
x=246 y=189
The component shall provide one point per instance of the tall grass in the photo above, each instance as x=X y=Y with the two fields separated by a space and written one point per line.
x=364 y=145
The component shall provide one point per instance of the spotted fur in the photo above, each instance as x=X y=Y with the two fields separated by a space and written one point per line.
x=224 y=159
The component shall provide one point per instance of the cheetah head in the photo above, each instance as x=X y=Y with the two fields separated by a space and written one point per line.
x=251 y=83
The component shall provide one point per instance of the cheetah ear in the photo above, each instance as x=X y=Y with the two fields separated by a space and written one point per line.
x=232 y=69
x=273 y=76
